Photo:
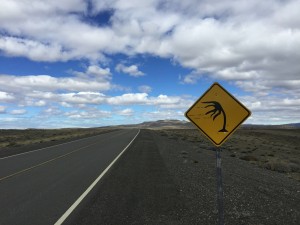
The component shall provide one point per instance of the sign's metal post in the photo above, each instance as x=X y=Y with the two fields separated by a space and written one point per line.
x=217 y=114
x=219 y=186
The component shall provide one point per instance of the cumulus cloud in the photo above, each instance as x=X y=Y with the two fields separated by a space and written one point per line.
x=33 y=50
x=51 y=111
x=126 y=112
x=88 y=114
x=98 y=71
x=228 y=39
x=2 y=109
x=5 y=97
x=94 y=79
x=85 y=88
x=38 y=103
x=49 y=83
x=131 y=70
x=18 y=111
x=265 y=87
x=162 y=101
x=145 y=89
x=128 y=99
x=162 y=115
x=250 y=43
x=270 y=109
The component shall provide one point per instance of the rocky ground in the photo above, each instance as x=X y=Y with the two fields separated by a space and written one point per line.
x=273 y=149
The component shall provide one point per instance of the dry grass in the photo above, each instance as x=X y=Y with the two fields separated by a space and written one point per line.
x=17 y=138
x=277 y=150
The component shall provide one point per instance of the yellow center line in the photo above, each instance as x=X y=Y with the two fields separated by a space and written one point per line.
x=43 y=163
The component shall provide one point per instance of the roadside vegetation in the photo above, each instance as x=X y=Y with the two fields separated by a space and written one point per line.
x=18 y=138
x=272 y=149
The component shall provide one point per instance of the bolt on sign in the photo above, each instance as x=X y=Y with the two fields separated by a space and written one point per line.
x=217 y=114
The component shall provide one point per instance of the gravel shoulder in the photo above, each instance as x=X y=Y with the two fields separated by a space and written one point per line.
x=166 y=180
x=252 y=195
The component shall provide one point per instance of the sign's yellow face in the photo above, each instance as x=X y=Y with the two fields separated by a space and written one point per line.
x=217 y=114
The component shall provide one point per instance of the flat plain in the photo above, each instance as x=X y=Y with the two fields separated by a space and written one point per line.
x=273 y=149
x=13 y=141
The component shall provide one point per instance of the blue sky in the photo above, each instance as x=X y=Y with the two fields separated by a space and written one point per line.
x=80 y=63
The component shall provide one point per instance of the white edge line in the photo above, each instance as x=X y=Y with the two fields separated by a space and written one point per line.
x=24 y=153
x=77 y=202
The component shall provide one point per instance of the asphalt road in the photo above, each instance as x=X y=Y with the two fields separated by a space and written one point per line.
x=38 y=187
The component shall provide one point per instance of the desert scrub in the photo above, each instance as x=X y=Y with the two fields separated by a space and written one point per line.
x=174 y=137
x=13 y=144
x=282 y=166
x=249 y=158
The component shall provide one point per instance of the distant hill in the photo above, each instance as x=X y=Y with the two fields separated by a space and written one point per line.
x=181 y=124
x=160 y=124
x=177 y=124
x=282 y=126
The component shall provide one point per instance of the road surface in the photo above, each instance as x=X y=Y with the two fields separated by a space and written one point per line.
x=38 y=187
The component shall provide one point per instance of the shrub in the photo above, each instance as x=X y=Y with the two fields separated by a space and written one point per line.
x=282 y=167
x=249 y=158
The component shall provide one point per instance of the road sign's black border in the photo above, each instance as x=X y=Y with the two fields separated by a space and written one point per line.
x=229 y=134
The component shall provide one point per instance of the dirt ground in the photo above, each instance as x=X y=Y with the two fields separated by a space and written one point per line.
x=272 y=149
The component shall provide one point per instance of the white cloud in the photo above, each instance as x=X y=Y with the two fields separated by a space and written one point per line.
x=165 y=100
x=145 y=89
x=38 y=103
x=250 y=43
x=128 y=99
x=49 y=83
x=191 y=78
x=2 y=109
x=162 y=101
x=89 y=114
x=267 y=108
x=162 y=115
x=94 y=71
x=131 y=70
x=259 y=87
x=126 y=112
x=94 y=79
x=65 y=104
x=51 y=111
x=34 y=50
x=227 y=39
x=5 y=97
x=98 y=71
x=18 y=112
x=81 y=98
x=42 y=90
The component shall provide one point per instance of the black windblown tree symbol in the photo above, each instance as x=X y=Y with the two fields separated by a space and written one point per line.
x=218 y=109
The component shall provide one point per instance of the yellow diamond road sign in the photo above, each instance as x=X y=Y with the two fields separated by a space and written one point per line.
x=217 y=114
